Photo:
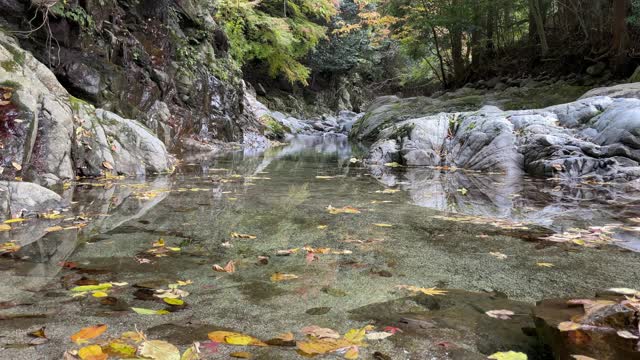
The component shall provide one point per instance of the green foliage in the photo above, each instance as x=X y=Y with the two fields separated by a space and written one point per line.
x=279 y=33
x=75 y=13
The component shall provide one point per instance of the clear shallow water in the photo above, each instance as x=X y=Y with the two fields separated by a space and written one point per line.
x=281 y=197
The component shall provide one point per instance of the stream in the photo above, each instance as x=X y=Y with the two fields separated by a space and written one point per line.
x=371 y=235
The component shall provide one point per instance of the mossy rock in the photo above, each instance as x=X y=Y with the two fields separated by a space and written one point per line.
x=274 y=129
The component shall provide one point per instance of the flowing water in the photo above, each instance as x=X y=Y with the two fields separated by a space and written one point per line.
x=476 y=236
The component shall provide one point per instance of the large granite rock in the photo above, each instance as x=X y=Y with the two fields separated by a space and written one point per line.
x=49 y=136
x=595 y=138
x=19 y=197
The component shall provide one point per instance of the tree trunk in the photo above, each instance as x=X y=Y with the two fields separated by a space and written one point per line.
x=620 y=13
x=436 y=42
x=535 y=10
x=456 y=55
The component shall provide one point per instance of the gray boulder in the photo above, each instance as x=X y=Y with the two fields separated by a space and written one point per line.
x=628 y=91
x=19 y=197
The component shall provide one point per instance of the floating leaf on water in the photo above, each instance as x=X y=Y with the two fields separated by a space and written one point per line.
x=627 y=335
x=99 y=294
x=38 y=333
x=159 y=350
x=378 y=335
x=103 y=286
x=383 y=225
x=624 y=291
x=92 y=352
x=388 y=191
x=282 y=277
x=233 y=338
x=9 y=247
x=427 y=291
x=392 y=165
x=342 y=210
x=500 y=314
x=241 y=355
x=320 y=227
x=229 y=268
x=5 y=227
x=320 y=333
x=322 y=346
x=569 y=326
x=545 y=264
x=236 y=235
x=54 y=228
x=325 y=177
x=16 y=220
x=508 y=355
x=143 y=311
x=356 y=336
x=88 y=333
x=174 y=302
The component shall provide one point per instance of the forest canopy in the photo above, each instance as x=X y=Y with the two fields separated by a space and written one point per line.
x=451 y=41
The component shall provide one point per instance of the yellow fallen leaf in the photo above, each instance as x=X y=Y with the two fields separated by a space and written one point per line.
x=322 y=227
x=103 y=286
x=286 y=337
x=12 y=221
x=545 y=264
x=16 y=165
x=236 y=235
x=5 y=227
x=142 y=311
x=356 y=336
x=568 y=326
x=99 y=294
x=192 y=353
x=392 y=165
x=282 y=277
x=509 y=355
x=388 y=191
x=174 y=302
x=427 y=291
x=107 y=165
x=342 y=210
x=322 y=346
x=91 y=352
x=233 y=338
x=88 y=333
x=325 y=177
x=383 y=225
x=54 y=228
x=159 y=350
x=122 y=349
x=352 y=353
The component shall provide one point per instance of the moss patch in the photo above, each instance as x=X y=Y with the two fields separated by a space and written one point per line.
x=274 y=128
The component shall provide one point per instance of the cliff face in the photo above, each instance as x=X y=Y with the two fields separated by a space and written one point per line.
x=162 y=62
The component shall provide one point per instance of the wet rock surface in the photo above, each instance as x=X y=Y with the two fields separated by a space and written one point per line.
x=21 y=198
x=591 y=139
x=50 y=137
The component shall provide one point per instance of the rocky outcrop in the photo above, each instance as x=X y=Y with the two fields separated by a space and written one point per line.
x=631 y=91
x=21 y=198
x=595 y=138
x=135 y=58
x=49 y=136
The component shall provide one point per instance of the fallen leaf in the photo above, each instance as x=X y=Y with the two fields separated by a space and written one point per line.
x=16 y=165
x=320 y=333
x=342 y=210
x=236 y=235
x=378 y=335
x=286 y=337
x=500 y=314
x=509 y=355
x=325 y=177
x=158 y=350
x=121 y=349
x=174 y=302
x=582 y=357
x=192 y=353
x=229 y=268
x=545 y=264
x=388 y=191
x=99 y=294
x=287 y=252
x=38 y=333
x=427 y=291
x=569 y=326
x=463 y=191
x=9 y=247
x=356 y=336
x=322 y=346
x=54 y=228
x=107 y=165
x=5 y=227
x=627 y=335
x=383 y=225
x=351 y=353
x=103 y=286
x=241 y=355
x=88 y=333
x=16 y=220
x=320 y=227
x=392 y=165
x=282 y=277
x=142 y=311
x=91 y=352
x=624 y=291
x=498 y=255
x=233 y=338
